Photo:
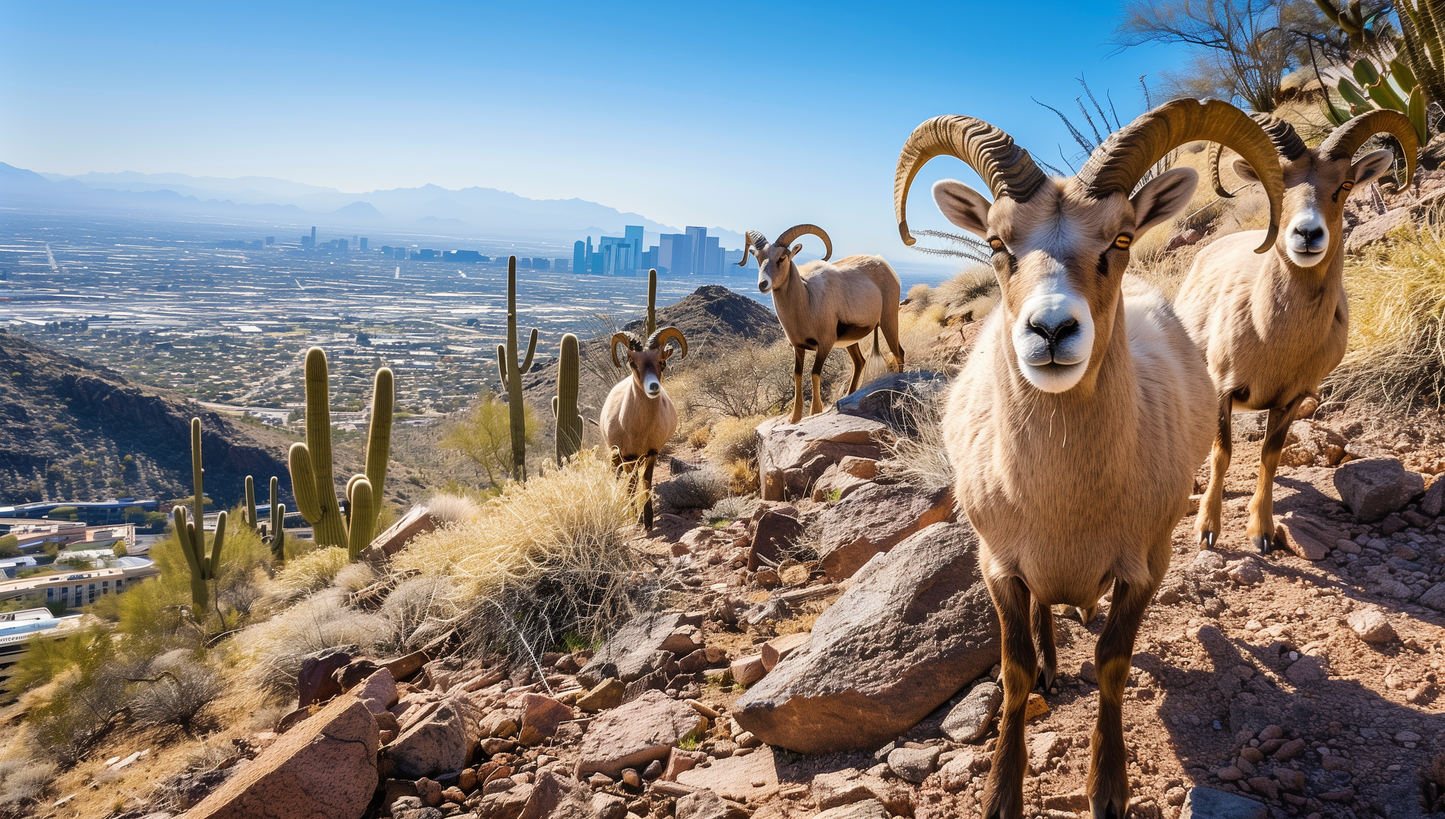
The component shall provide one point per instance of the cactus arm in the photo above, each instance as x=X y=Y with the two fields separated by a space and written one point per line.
x=362 y=511
x=531 y=351
x=277 y=524
x=564 y=403
x=378 y=442
x=250 y=513
x=502 y=362
x=1415 y=110
x=183 y=534
x=197 y=473
x=303 y=481
x=217 y=544
x=651 y=301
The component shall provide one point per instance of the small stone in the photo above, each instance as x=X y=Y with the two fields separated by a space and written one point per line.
x=1271 y=732
x=1434 y=597
x=1264 y=786
x=1036 y=707
x=1371 y=625
x=1246 y=572
x=913 y=764
x=1252 y=755
x=606 y=694
x=970 y=719
x=429 y=791
x=1290 y=749
x=1290 y=779
x=1408 y=736
x=1044 y=747
x=631 y=778
x=453 y=794
x=748 y=670
x=599 y=780
x=1088 y=673
x=1229 y=773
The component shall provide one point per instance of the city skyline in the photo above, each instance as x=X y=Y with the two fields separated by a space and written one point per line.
x=752 y=129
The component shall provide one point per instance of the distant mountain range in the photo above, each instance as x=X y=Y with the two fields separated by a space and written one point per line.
x=467 y=212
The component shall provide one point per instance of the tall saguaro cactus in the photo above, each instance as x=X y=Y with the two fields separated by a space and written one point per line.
x=192 y=533
x=311 y=470
x=651 y=302
x=512 y=372
x=277 y=525
x=564 y=403
x=251 y=505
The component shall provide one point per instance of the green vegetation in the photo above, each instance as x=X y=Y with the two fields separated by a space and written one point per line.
x=512 y=371
x=311 y=464
x=9 y=546
x=483 y=436
x=250 y=517
x=192 y=533
x=276 y=538
x=564 y=403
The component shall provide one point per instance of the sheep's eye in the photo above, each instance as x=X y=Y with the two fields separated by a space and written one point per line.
x=1123 y=240
x=997 y=244
x=1347 y=186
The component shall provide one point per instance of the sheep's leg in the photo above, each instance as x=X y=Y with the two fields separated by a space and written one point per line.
x=1108 y=764
x=1211 y=506
x=1003 y=797
x=797 y=385
x=889 y=323
x=858 y=362
x=1043 y=623
x=649 y=461
x=820 y=357
x=1261 y=506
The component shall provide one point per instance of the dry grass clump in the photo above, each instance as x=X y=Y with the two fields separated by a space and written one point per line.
x=308 y=573
x=694 y=489
x=1396 y=355
x=920 y=459
x=753 y=380
x=179 y=689
x=545 y=561
x=418 y=610
x=272 y=651
x=22 y=781
x=449 y=508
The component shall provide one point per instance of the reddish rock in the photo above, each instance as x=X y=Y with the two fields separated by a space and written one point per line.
x=915 y=626
x=792 y=456
x=1312 y=444
x=314 y=684
x=406 y=666
x=776 y=531
x=633 y=649
x=679 y=760
x=875 y=519
x=1306 y=536
x=416 y=521
x=778 y=648
x=1376 y=487
x=378 y=693
x=751 y=778
x=558 y=797
x=835 y=484
x=748 y=670
x=437 y=738
x=325 y=766
x=636 y=733
x=543 y=714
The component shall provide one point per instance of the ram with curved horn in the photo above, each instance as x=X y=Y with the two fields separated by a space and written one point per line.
x=1273 y=326
x=822 y=304
x=638 y=417
x=1084 y=409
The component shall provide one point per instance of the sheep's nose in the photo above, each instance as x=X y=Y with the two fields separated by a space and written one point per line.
x=1053 y=329
x=1311 y=234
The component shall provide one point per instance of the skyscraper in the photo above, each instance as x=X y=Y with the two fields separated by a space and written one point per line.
x=674 y=253
x=313 y=236
x=698 y=238
x=579 y=256
x=711 y=257
x=633 y=234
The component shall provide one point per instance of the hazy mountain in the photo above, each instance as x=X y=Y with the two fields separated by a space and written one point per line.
x=484 y=211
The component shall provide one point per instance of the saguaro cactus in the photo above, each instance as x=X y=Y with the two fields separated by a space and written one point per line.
x=277 y=525
x=311 y=470
x=512 y=373
x=564 y=403
x=192 y=533
x=251 y=505
x=651 y=302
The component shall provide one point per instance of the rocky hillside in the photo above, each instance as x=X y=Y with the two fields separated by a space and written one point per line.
x=72 y=430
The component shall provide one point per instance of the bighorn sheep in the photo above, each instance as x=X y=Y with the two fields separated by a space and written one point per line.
x=638 y=417
x=1084 y=408
x=822 y=304
x=1273 y=326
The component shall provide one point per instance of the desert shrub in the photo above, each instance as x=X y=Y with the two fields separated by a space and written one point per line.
x=732 y=508
x=732 y=438
x=1396 y=355
x=22 y=781
x=920 y=459
x=482 y=435
x=308 y=573
x=753 y=380
x=544 y=559
x=85 y=705
x=417 y=610
x=695 y=489
x=272 y=651
x=448 y=508
x=354 y=577
x=176 y=694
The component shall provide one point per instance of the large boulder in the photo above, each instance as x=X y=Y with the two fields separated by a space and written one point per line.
x=875 y=519
x=437 y=737
x=326 y=766
x=1375 y=487
x=636 y=733
x=631 y=650
x=915 y=627
x=894 y=399
x=792 y=456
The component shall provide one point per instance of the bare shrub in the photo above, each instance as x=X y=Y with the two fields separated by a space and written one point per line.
x=754 y=380
x=415 y=607
x=23 y=781
x=273 y=650
x=176 y=695
x=732 y=438
x=697 y=489
x=546 y=559
x=736 y=507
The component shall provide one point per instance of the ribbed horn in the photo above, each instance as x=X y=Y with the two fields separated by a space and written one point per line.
x=787 y=237
x=1348 y=138
x=1007 y=169
x=1215 y=151
x=622 y=338
x=752 y=243
x=1286 y=140
x=660 y=338
x=1129 y=153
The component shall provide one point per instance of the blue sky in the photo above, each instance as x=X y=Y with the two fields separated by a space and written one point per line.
x=758 y=117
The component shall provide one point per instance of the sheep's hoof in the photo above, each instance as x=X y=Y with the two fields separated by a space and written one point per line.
x=1206 y=540
x=1264 y=544
x=1046 y=679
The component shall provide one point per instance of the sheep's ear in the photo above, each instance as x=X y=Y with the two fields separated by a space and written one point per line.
x=962 y=205
x=1243 y=171
x=1163 y=197
x=797 y=247
x=1372 y=165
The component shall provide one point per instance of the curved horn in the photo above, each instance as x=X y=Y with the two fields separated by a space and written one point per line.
x=787 y=237
x=751 y=242
x=1007 y=169
x=661 y=337
x=1282 y=134
x=1129 y=153
x=621 y=338
x=1215 y=151
x=1347 y=139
